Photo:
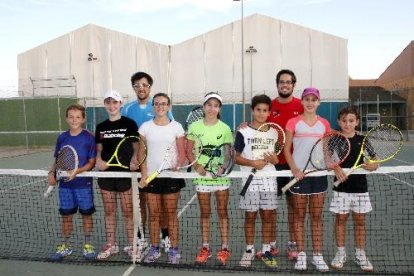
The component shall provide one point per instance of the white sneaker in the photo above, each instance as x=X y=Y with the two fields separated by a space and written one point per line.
x=129 y=250
x=166 y=244
x=301 y=261
x=142 y=250
x=319 y=263
x=363 y=262
x=339 y=260
x=107 y=251
x=246 y=260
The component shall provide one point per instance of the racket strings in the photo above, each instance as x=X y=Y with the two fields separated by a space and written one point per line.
x=66 y=160
x=382 y=143
x=330 y=151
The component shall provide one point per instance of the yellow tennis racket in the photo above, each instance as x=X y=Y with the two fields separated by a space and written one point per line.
x=381 y=144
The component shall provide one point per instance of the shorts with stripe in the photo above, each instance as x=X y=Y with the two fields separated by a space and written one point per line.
x=254 y=201
x=343 y=203
x=310 y=185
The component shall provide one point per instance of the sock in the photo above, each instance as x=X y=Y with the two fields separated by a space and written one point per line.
x=273 y=244
x=359 y=252
x=224 y=246
x=206 y=245
x=164 y=233
x=341 y=249
x=250 y=247
x=265 y=247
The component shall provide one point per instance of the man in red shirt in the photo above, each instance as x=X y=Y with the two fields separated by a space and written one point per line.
x=284 y=107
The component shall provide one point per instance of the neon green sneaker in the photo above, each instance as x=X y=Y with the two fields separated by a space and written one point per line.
x=62 y=251
x=268 y=259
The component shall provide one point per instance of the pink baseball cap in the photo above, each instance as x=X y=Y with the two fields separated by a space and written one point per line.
x=310 y=91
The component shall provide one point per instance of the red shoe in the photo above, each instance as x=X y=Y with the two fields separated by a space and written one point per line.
x=222 y=256
x=204 y=255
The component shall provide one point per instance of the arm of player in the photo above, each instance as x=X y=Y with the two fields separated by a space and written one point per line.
x=189 y=149
x=51 y=176
x=340 y=174
x=87 y=167
x=257 y=164
x=181 y=151
x=271 y=157
x=133 y=164
x=143 y=168
x=297 y=173
x=100 y=164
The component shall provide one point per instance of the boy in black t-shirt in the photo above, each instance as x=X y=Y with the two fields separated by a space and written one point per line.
x=351 y=195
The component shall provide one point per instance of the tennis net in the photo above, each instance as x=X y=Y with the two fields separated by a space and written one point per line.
x=30 y=225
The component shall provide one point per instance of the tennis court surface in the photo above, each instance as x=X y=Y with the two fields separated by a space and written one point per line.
x=30 y=227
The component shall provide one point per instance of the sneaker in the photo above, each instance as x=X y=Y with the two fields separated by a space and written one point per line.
x=339 y=260
x=274 y=251
x=166 y=244
x=222 y=256
x=153 y=255
x=89 y=252
x=142 y=250
x=292 y=251
x=363 y=263
x=62 y=251
x=319 y=263
x=204 y=255
x=301 y=261
x=107 y=251
x=247 y=258
x=129 y=250
x=268 y=259
x=173 y=256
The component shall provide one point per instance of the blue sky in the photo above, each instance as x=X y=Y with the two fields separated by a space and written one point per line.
x=377 y=30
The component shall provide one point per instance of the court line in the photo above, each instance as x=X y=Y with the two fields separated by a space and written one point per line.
x=133 y=266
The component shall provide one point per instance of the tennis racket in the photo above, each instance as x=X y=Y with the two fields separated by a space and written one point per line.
x=221 y=159
x=66 y=164
x=195 y=114
x=328 y=152
x=175 y=156
x=124 y=152
x=381 y=144
x=269 y=138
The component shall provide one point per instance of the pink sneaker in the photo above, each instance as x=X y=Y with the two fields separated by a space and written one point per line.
x=292 y=251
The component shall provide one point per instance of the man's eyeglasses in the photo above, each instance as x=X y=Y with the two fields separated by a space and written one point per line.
x=162 y=104
x=288 y=82
x=140 y=85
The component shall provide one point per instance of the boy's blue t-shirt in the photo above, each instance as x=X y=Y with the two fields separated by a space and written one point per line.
x=84 y=144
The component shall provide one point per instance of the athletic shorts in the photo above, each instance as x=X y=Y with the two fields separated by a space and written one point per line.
x=310 y=185
x=115 y=184
x=253 y=201
x=343 y=203
x=282 y=180
x=211 y=188
x=72 y=199
x=164 y=186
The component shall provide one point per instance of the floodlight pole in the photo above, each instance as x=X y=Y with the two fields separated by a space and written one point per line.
x=242 y=61
x=251 y=50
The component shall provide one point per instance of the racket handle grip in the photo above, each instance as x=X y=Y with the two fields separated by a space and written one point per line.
x=289 y=185
x=337 y=182
x=48 y=191
x=246 y=185
x=152 y=177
